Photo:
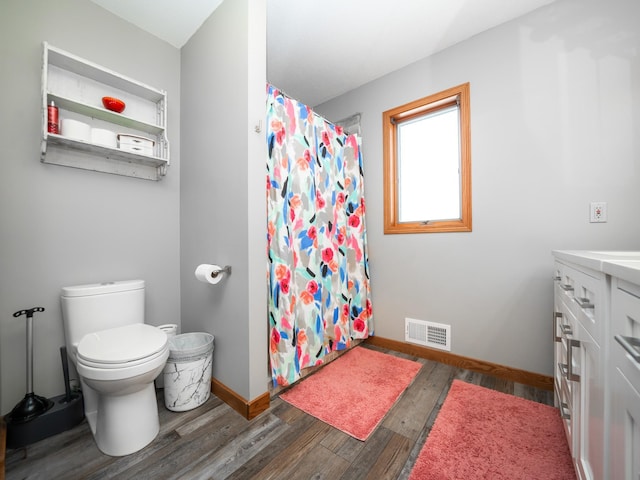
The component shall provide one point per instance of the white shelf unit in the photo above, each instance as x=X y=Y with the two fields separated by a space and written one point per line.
x=77 y=86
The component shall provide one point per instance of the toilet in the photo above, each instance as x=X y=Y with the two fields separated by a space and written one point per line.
x=117 y=357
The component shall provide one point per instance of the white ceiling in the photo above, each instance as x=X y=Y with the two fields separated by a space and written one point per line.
x=319 y=49
x=171 y=20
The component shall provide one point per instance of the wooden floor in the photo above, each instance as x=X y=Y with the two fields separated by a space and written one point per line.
x=215 y=442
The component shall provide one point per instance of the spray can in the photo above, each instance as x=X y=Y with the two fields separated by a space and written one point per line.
x=53 y=125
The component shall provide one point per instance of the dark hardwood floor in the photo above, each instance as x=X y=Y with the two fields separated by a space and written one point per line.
x=215 y=442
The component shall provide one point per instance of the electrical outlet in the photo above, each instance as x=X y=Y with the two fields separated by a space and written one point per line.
x=598 y=212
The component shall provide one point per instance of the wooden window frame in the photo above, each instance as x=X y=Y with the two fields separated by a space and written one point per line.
x=390 y=120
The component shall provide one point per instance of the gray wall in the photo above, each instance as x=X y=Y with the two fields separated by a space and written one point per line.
x=555 y=116
x=555 y=113
x=62 y=226
x=222 y=208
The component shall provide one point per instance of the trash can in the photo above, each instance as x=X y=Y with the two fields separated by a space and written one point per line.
x=171 y=329
x=187 y=373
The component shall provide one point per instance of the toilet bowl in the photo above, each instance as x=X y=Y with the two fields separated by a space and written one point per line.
x=117 y=357
x=117 y=368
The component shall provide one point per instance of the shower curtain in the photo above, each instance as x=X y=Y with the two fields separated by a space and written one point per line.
x=319 y=291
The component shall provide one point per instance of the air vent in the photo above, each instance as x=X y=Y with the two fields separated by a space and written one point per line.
x=429 y=334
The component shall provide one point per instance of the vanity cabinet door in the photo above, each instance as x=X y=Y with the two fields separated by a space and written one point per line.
x=588 y=387
x=565 y=395
x=625 y=385
x=625 y=429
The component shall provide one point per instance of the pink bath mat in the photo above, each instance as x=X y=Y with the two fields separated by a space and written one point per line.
x=354 y=392
x=483 y=434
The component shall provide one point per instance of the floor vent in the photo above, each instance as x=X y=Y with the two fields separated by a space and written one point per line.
x=429 y=334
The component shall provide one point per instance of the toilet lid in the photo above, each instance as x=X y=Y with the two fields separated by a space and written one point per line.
x=122 y=344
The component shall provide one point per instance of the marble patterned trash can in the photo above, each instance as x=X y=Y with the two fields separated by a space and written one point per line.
x=187 y=373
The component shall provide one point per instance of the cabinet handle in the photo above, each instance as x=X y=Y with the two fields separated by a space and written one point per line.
x=583 y=302
x=631 y=346
x=556 y=316
x=565 y=413
x=566 y=287
x=574 y=377
x=557 y=278
x=566 y=329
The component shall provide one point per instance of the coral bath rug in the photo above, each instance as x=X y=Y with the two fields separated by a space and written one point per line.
x=354 y=392
x=483 y=434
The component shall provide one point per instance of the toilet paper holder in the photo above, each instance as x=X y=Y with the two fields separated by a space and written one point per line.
x=226 y=269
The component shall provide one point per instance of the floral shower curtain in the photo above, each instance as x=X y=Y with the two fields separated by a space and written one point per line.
x=319 y=291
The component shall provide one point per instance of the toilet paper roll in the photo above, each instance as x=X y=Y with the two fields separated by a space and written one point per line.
x=209 y=273
x=102 y=136
x=75 y=129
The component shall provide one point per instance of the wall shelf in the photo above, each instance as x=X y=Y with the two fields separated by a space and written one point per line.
x=103 y=114
x=76 y=86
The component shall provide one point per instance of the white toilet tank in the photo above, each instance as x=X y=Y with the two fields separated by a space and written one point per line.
x=99 y=306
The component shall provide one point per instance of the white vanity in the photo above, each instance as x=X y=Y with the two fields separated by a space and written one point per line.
x=596 y=323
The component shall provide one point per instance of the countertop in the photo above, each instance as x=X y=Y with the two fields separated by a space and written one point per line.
x=622 y=264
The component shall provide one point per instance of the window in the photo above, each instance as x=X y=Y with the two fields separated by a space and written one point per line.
x=427 y=164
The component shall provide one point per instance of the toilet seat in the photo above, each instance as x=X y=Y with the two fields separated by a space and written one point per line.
x=111 y=366
x=125 y=372
x=122 y=347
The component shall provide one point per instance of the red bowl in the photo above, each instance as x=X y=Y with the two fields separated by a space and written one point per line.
x=113 y=104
